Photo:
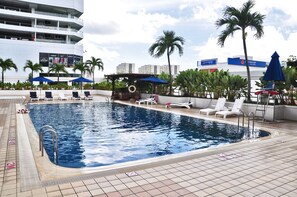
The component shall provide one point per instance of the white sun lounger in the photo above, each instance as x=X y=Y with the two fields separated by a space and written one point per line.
x=151 y=100
x=62 y=97
x=219 y=107
x=234 y=111
x=186 y=105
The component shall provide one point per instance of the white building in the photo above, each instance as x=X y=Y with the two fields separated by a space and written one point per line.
x=126 y=68
x=149 y=69
x=157 y=69
x=42 y=31
x=235 y=66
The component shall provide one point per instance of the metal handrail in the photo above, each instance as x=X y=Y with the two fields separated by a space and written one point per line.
x=42 y=131
x=242 y=113
x=251 y=115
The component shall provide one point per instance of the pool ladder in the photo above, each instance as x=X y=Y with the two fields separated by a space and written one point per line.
x=44 y=129
x=251 y=118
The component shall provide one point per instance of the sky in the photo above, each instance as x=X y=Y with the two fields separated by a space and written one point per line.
x=121 y=31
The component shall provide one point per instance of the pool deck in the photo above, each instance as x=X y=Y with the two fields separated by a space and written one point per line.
x=252 y=168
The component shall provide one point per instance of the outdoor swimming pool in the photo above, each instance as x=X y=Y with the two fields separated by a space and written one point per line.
x=98 y=134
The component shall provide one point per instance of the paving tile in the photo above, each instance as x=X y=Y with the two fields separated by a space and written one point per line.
x=172 y=194
x=65 y=186
x=96 y=192
x=108 y=189
x=52 y=188
x=80 y=189
x=54 y=194
x=84 y=194
x=154 y=192
x=67 y=191
x=93 y=186
x=114 y=194
x=143 y=194
x=126 y=192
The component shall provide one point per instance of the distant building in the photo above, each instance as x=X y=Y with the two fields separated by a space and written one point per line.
x=235 y=66
x=157 y=69
x=126 y=68
x=149 y=69
x=45 y=32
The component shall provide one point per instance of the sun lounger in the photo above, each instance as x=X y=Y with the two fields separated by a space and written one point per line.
x=49 y=96
x=218 y=107
x=186 y=105
x=151 y=100
x=234 y=111
x=33 y=96
x=75 y=96
x=62 y=97
x=88 y=95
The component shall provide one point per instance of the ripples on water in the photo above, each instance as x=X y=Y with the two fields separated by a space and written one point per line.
x=97 y=134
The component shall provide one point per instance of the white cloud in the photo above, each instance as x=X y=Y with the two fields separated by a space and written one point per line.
x=121 y=31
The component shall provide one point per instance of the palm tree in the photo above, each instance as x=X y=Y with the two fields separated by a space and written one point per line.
x=93 y=63
x=83 y=68
x=240 y=19
x=7 y=64
x=57 y=68
x=33 y=67
x=167 y=43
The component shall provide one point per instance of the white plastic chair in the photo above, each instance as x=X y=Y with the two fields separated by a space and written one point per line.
x=220 y=106
x=234 y=111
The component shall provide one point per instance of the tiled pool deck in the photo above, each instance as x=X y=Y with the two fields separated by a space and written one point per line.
x=257 y=168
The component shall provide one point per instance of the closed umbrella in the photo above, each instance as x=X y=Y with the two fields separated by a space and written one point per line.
x=274 y=73
x=274 y=70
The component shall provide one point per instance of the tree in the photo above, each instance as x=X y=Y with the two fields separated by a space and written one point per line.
x=93 y=63
x=83 y=68
x=33 y=67
x=241 y=19
x=167 y=43
x=7 y=64
x=292 y=61
x=57 y=68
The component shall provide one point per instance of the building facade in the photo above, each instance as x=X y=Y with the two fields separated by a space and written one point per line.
x=236 y=66
x=157 y=69
x=126 y=68
x=45 y=32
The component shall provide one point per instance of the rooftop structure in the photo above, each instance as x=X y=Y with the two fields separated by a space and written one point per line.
x=46 y=32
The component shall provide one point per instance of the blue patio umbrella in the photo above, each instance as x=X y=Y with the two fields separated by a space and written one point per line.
x=41 y=79
x=274 y=70
x=155 y=80
x=81 y=80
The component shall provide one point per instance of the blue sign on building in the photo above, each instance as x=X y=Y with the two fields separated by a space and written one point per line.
x=209 y=62
x=241 y=62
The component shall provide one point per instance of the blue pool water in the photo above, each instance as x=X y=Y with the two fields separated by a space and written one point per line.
x=98 y=134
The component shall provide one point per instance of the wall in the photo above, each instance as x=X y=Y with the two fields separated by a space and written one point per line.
x=19 y=93
x=278 y=111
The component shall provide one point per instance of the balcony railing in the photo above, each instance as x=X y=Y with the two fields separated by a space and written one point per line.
x=11 y=8
x=58 y=15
